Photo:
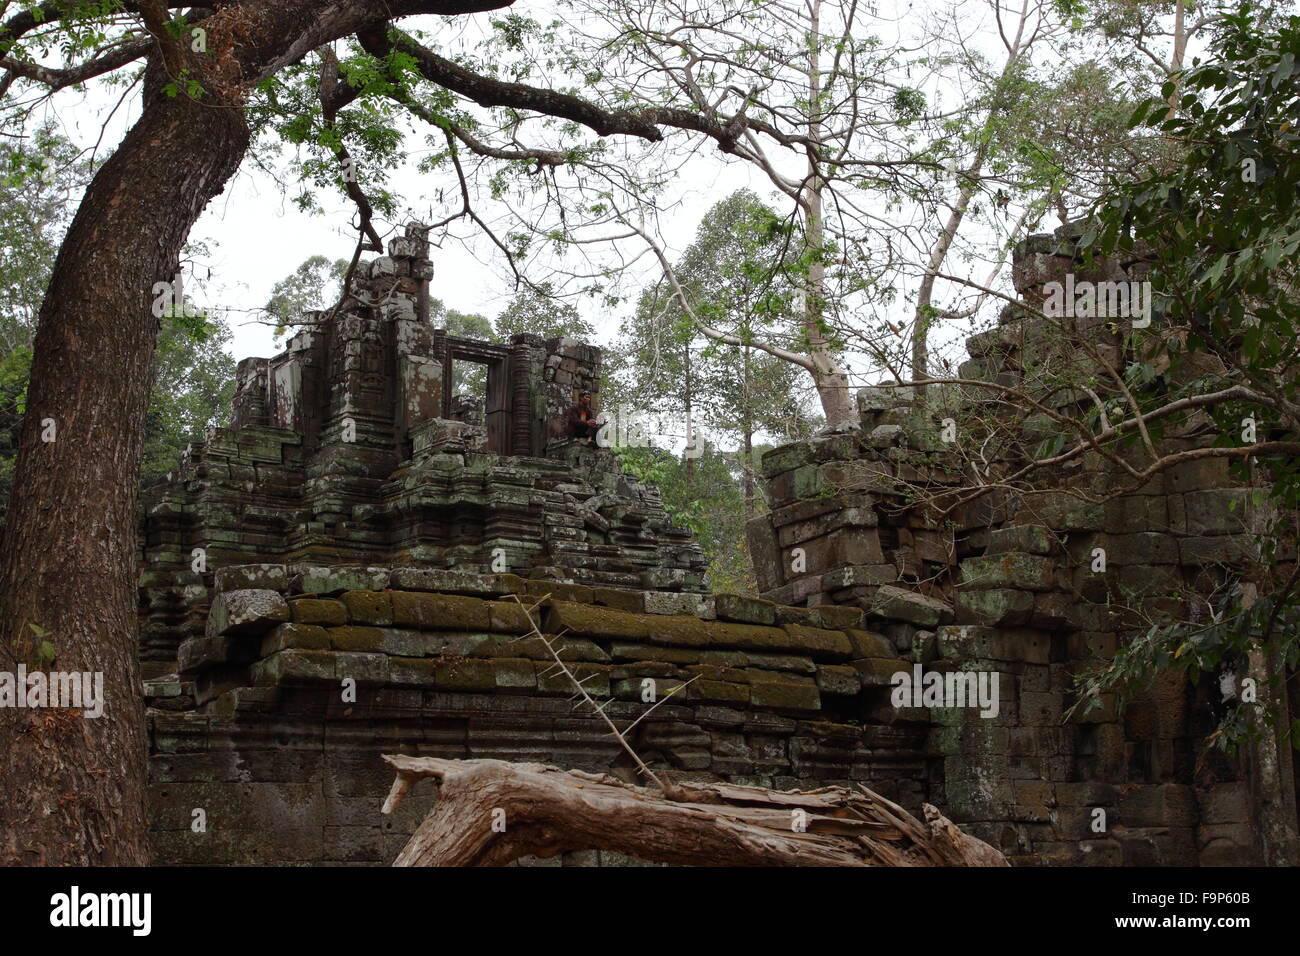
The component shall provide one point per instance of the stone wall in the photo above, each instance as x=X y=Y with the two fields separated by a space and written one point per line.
x=256 y=729
x=342 y=536
x=1010 y=583
x=344 y=450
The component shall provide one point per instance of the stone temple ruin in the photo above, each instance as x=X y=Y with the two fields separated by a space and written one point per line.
x=351 y=526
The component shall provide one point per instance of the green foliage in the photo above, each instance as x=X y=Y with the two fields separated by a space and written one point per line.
x=194 y=384
x=1221 y=229
x=468 y=378
x=709 y=501
x=735 y=276
x=194 y=375
x=536 y=312
x=316 y=284
x=37 y=176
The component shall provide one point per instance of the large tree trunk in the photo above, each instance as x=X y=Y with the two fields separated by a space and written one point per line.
x=829 y=376
x=1269 y=757
x=490 y=812
x=74 y=786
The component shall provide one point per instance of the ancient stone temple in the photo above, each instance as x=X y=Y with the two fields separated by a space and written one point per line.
x=343 y=573
x=346 y=449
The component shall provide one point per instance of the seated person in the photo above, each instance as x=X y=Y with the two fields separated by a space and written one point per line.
x=582 y=420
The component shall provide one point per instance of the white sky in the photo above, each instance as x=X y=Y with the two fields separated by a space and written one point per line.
x=257 y=236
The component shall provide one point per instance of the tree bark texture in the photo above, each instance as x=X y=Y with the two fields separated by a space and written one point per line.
x=74 y=787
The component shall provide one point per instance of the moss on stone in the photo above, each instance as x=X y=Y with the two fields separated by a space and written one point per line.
x=646 y=652
x=819 y=641
x=318 y=611
x=597 y=621
x=515 y=674
x=369 y=607
x=302 y=636
x=631 y=601
x=877 y=671
x=507 y=617
x=747 y=610
x=579 y=593
x=838 y=679
x=439 y=612
x=466 y=674
x=354 y=638
x=868 y=643
x=835 y=618
x=412 y=671
x=717 y=692
x=678 y=629
x=783 y=692
x=594 y=678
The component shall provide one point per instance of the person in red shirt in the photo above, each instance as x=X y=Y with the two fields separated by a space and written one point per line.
x=582 y=420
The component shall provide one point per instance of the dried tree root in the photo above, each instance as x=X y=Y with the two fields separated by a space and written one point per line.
x=541 y=810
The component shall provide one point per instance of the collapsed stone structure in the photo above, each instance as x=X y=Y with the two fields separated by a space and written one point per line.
x=1035 y=587
x=353 y=602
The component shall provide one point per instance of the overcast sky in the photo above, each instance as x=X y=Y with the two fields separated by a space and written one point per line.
x=256 y=235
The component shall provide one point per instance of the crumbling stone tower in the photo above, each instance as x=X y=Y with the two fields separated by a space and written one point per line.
x=1011 y=582
x=345 y=450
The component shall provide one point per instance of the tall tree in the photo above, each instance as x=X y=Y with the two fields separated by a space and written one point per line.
x=735 y=281
x=316 y=284
x=536 y=312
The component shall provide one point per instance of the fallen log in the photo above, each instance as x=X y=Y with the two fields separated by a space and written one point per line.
x=491 y=812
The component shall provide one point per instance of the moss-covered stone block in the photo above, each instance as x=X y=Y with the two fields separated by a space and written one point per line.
x=439 y=612
x=466 y=674
x=598 y=621
x=819 y=641
x=631 y=601
x=834 y=617
x=364 y=668
x=744 y=610
x=678 y=629
x=647 y=652
x=878 y=671
x=515 y=675
x=369 y=607
x=250 y=611
x=995 y=608
x=295 y=667
x=578 y=593
x=594 y=678
x=838 y=679
x=412 y=671
x=356 y=638
x=710 y=691
x=783 y=692
x=647 y=689
x=302 y=636
x=318 y=611
x=868 y=643
x=1029 y=572
x=508 y=617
